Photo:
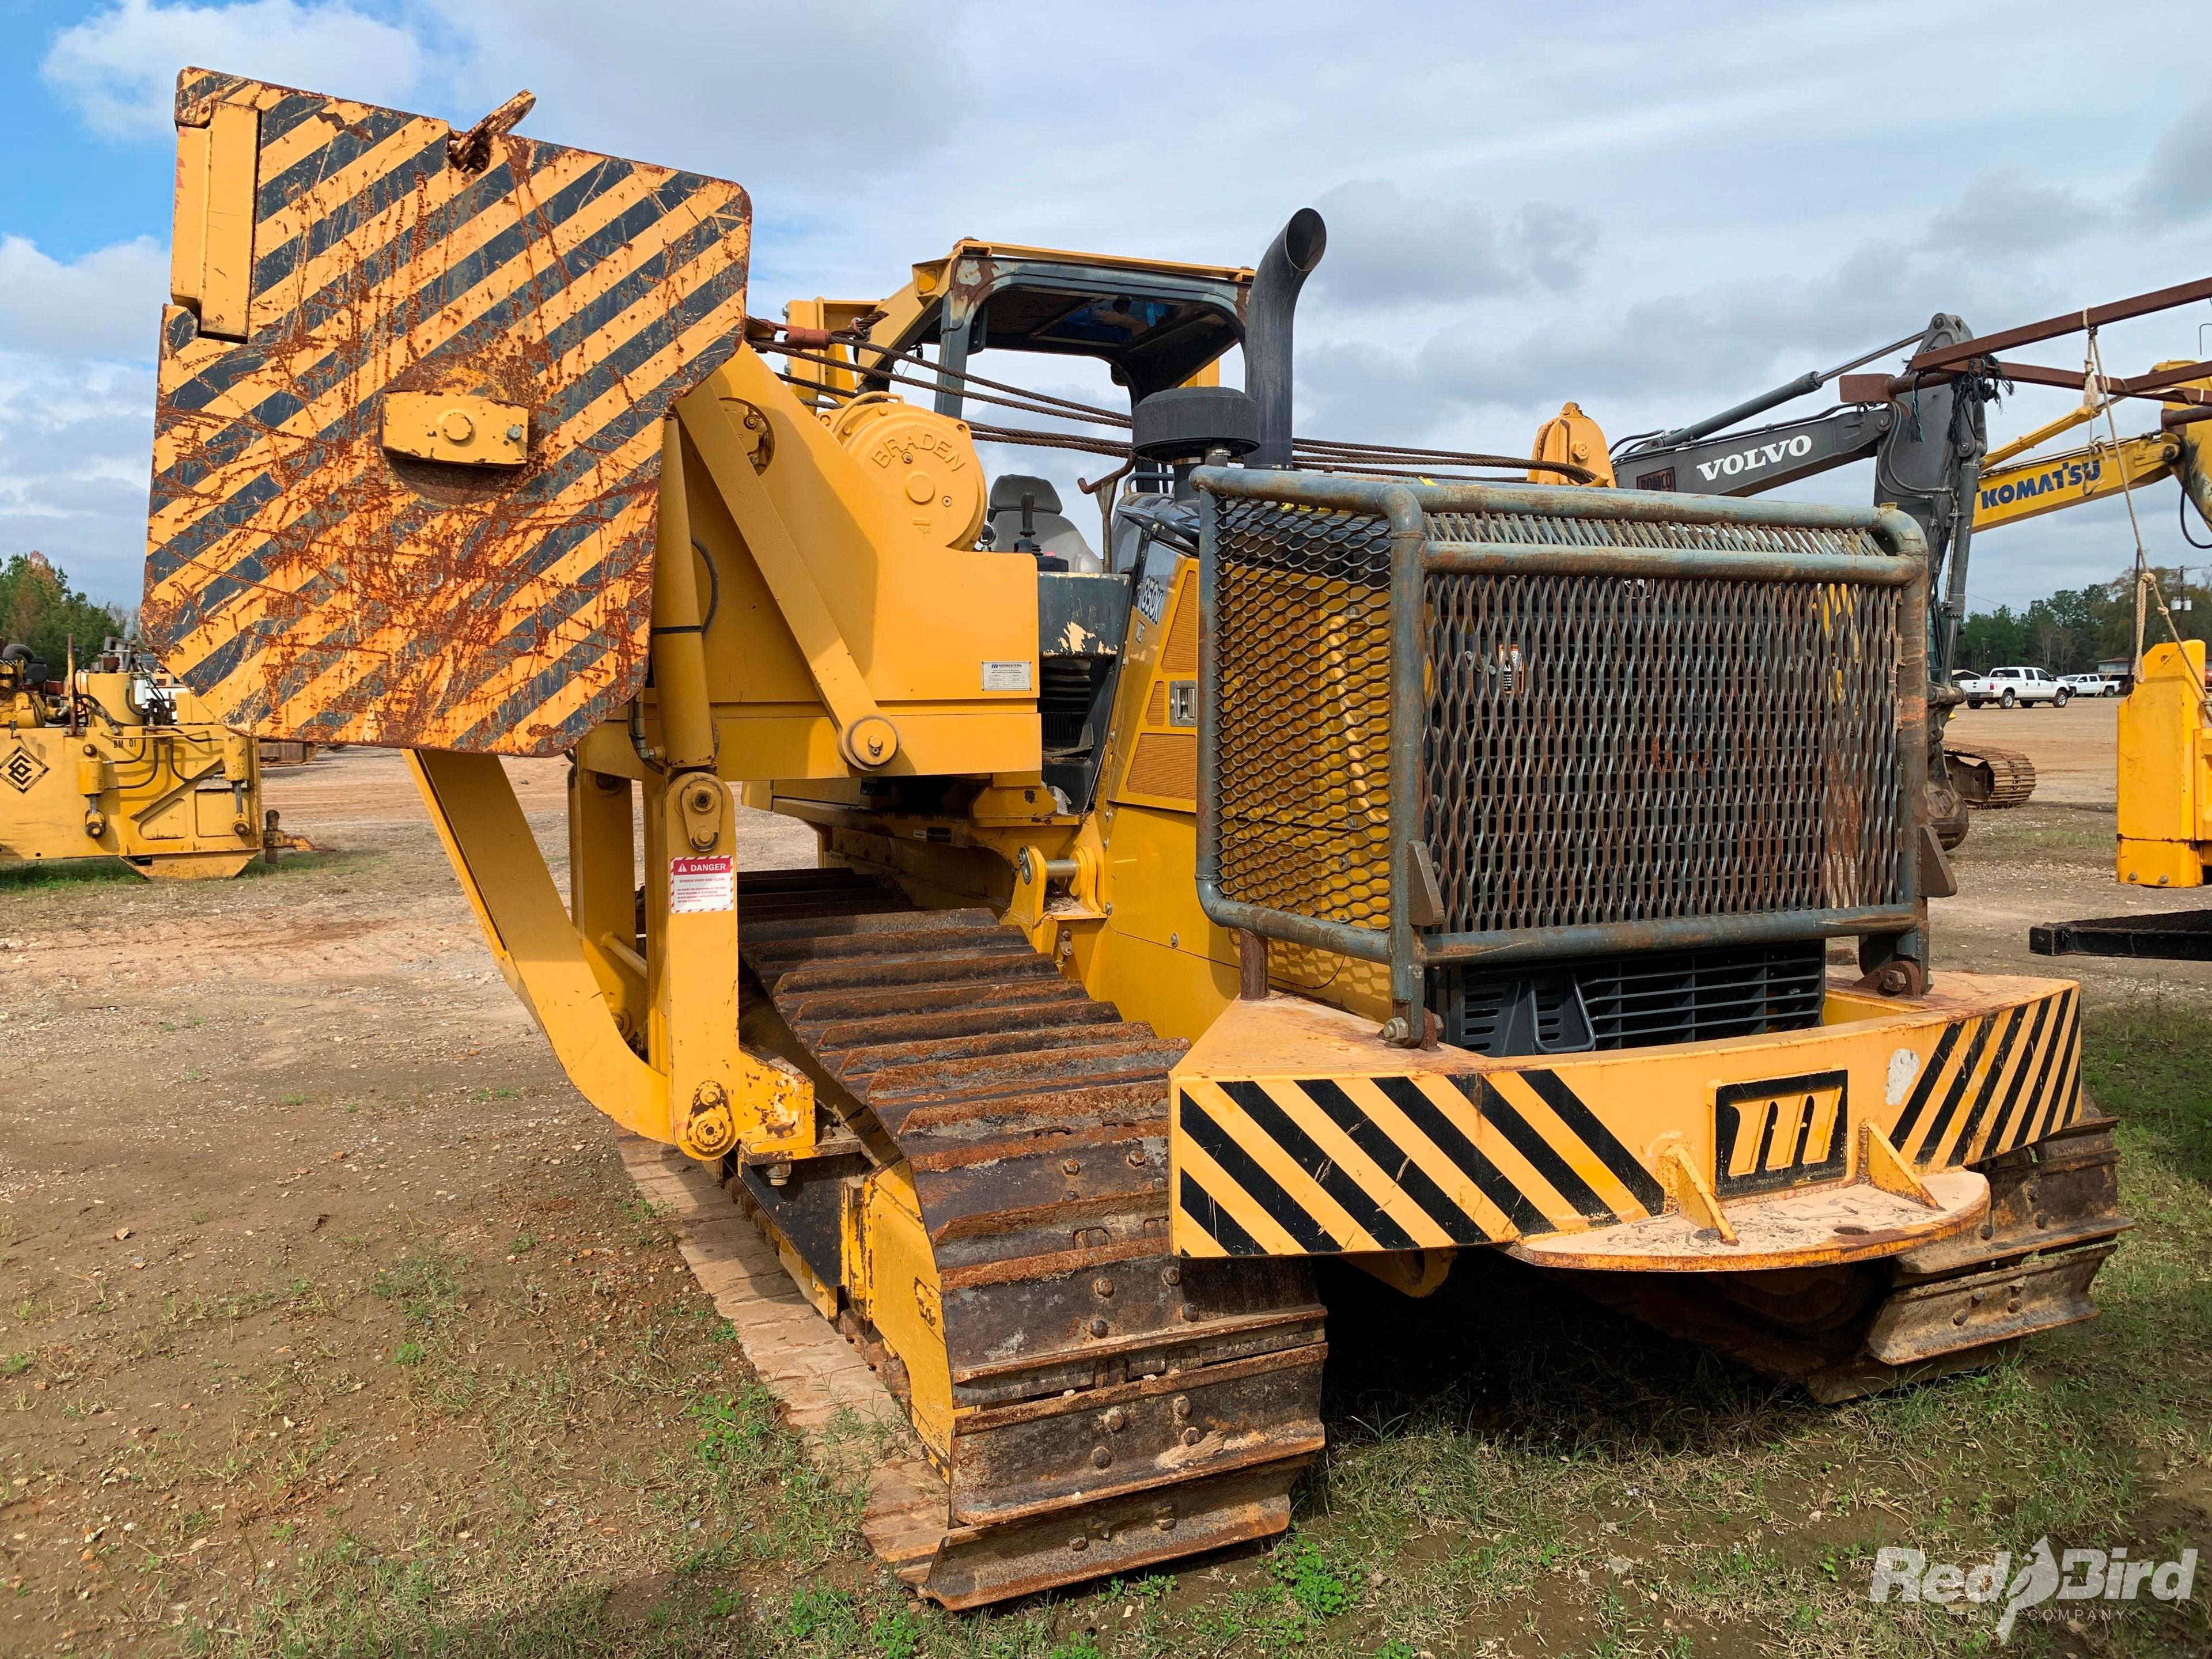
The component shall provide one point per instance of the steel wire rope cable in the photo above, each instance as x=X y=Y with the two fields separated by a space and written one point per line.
x=1347 y=465
x=990 y=433
x=1029 y=403
x=1325 y=454
x=1091 y=411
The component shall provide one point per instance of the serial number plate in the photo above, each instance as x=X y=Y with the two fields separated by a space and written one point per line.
x=1781 y=1131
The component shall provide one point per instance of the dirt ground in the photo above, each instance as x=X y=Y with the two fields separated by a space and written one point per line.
x=2051 y=860
x=303 y=1092
x=2073 y=748
x=313 y=1266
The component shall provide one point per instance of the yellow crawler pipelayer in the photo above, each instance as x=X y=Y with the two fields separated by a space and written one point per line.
x=325 y=565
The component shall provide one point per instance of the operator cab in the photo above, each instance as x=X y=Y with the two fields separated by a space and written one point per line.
x=1156 y=324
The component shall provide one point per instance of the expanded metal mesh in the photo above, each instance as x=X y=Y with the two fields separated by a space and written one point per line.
x=1595 y=749
x=1602 y=749
x=1302 y=682
x=1532 y=530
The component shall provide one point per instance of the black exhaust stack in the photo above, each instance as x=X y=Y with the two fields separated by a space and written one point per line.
x=1289 y=261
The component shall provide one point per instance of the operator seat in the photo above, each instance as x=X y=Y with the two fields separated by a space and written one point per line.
x=1024 y=517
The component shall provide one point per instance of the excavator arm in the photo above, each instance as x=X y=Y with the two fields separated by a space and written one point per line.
x=1753 y=463
x=2047 y=483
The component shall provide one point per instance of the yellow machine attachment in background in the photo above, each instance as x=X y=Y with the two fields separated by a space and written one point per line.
x=2164 y=729
x=120 y=766
x=1572 y=436
x=2166 y=771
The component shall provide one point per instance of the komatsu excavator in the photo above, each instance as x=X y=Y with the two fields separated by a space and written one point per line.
x=1332 y=866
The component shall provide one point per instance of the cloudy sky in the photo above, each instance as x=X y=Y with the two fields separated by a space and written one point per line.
x=1655 y=209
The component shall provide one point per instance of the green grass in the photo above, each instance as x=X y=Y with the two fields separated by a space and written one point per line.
x=295 y=864
x=1510 y=1469
x=31 y=875
x=2040 y=833
x=1535 y=1442
x=425 y=1284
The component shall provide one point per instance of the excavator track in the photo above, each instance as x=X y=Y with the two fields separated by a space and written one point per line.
x=1114 y=1407
x=1990 y=780
x=1846 y=1331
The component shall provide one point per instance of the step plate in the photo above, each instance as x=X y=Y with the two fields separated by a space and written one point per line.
x=1824 y=1227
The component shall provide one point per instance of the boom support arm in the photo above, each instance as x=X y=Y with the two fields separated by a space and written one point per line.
x=2045 y=483
x=714 y=1093
x=637 y=988
x=694 y=1087
x=1752 y=463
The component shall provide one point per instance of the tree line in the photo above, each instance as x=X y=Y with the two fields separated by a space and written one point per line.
x=2077 y=628
x=40 y=609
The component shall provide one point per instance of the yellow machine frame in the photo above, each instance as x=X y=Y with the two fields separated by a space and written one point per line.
x=172 y=793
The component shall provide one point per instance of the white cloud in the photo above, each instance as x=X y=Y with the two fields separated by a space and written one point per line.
x=75 y=441
x=773 y=94
x=2178 y=181
x=1656 y=213
x=2006 y=248
x=104 y=304
x=1388 y=249
x=2008 y=212
x=119 y=67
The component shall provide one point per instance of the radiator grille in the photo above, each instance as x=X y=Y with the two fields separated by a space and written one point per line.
x=1302 y=672
x=1636 y=1001
x=1604 y=748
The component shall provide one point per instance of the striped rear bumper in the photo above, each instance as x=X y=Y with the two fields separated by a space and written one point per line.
x=1296 y=1133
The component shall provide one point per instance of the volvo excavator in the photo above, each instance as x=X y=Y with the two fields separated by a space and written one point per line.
x=1335 y=865
x=1926 y=431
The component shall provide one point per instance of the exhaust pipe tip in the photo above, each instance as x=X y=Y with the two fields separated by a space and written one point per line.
x=1303 y=241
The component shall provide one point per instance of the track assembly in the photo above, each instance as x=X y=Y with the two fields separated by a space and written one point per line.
x=1991 y=780
x=1110 y=1406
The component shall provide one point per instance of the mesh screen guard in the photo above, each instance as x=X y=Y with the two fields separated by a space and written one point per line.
x=1604 y=748
x=1636 y=719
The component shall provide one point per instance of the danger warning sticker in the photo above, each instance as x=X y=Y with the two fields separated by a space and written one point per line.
x=707 y=884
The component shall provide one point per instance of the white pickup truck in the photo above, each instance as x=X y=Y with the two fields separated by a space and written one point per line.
x=2008 y=688
x=2091 y=685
